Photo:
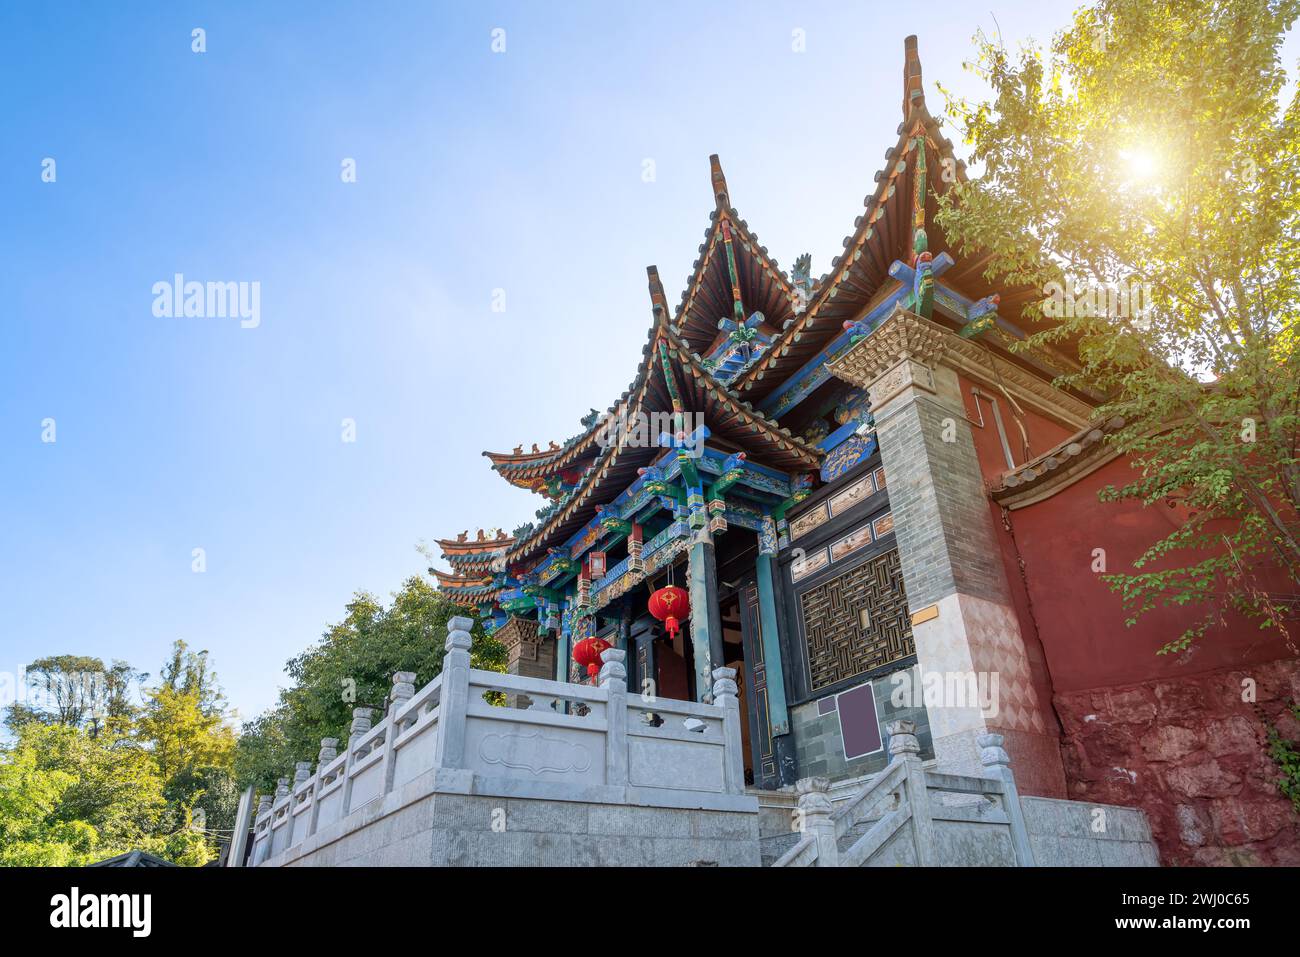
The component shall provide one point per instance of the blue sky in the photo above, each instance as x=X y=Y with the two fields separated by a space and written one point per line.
x=476 y=171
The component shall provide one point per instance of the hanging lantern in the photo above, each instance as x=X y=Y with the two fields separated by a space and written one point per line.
x=670 y=605
x=587 y=654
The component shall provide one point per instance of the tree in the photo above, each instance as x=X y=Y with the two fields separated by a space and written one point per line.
x=90 y=774
x=1142 y=174
x=68 y=798
x=352 y=666
x=77 y=691
x=185 y=742
x=191 y=673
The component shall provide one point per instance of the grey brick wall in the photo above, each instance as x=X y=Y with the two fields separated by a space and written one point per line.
x=819 y=743
x=941 y=513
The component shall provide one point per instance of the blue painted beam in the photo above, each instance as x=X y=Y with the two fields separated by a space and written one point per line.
x=813 y=372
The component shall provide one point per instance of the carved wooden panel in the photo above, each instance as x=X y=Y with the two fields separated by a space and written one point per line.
x=859 y=491
x=807 y=522
x=838 y=646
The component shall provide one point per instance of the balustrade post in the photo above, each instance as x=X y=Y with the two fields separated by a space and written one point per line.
x=403 y=691
x=815 y=809
x=301 y=775
x=725 y=696
x=328 y=752
x=361 y=723
x=905 y=749
x=613 y=678
x=454 y=701
x=262 y=839
x=998 y=765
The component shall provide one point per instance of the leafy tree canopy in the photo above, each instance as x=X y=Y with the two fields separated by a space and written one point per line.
x=1146 y=161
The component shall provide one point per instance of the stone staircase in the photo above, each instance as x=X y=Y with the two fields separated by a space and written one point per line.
x=910 y=815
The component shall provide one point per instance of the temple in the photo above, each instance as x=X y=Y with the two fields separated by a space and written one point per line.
x=851 y=490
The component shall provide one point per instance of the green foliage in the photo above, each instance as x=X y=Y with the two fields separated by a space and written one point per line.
x=1147 y=146
x=1286 y=754
x=352 y=667
x=69 y=798
x=190 y=673
x=91 y=774
x=77 y=691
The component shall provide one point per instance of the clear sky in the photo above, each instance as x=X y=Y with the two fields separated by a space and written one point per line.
x=476 y=171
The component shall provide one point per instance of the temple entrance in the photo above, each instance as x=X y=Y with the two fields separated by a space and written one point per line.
x=665 y=665
x=734 y=657
x=743 y=650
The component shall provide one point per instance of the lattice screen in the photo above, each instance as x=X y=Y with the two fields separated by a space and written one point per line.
x=839 y=646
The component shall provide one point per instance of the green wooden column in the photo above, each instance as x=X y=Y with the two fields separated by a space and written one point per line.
x=764 y=569
x=706 y=619
x=563 y=642
x=765 y=572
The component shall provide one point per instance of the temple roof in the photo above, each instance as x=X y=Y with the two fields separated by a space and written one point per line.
x=709 y=295
x=707 y=298
x=1058 y=467
x=484 y=543
x=534 y=469
x=734 y=425
x=734 y=278
x=859 y=277
x=469 y=589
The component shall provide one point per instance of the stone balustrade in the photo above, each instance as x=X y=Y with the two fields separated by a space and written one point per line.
x=572 y=742
x=912 y=816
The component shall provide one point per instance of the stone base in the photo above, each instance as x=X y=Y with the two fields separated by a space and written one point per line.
x=433 y=823
x=1076 y=834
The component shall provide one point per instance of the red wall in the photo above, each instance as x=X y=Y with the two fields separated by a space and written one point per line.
x=1183 y=737
x=1081 y=621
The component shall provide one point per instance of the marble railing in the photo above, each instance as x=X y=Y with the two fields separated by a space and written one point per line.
x=944 y=819
x=557 y=740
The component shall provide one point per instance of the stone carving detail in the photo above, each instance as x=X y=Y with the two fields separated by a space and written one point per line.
x=838 y=646
x=536 y=753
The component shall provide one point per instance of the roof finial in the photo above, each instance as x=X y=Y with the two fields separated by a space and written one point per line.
x=720 y=194
x=658 y=302
x=913 y=95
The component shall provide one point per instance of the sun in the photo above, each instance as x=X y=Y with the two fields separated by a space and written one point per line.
x=1141 y=165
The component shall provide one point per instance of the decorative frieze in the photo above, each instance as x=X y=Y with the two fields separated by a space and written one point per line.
x=900 y=352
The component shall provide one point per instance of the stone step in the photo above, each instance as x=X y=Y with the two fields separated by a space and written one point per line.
x=773 y=846
x=854 y=834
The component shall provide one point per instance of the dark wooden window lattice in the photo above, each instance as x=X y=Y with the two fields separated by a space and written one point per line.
x=838 y=646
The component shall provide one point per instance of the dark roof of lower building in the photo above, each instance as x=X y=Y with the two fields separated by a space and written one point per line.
x=134 y=859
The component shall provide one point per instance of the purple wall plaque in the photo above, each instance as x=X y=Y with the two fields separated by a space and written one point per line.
x=858 y=722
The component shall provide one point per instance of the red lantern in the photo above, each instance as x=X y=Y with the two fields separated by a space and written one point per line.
x=587 y=654
x=670 y=605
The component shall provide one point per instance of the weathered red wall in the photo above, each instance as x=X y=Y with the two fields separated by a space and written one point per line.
x=1081 y=621
x=1193 y=754
x=1172 y=734
x=1177 y=735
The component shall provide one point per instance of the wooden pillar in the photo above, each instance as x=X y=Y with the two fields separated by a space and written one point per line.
x=706 y=619
x=778 y=714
